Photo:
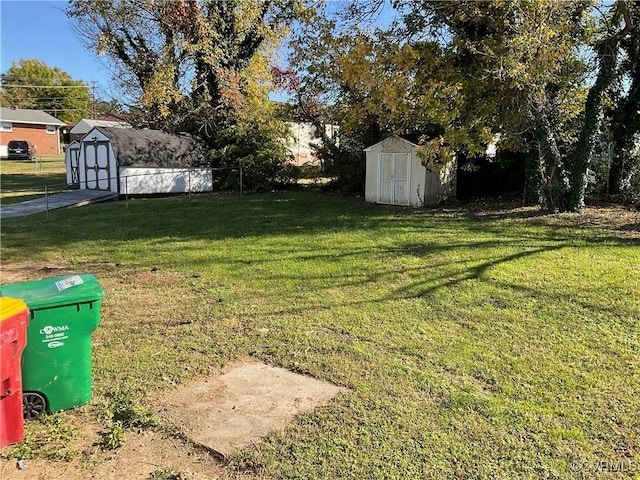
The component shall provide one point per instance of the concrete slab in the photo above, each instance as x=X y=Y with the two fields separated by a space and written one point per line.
x=246 y=402
x=75 y=198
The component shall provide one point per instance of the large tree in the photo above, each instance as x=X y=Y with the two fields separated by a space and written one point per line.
x=201 y=67
x=32 y=84
x=191 y=65
x=625 y=115
x=535 y=72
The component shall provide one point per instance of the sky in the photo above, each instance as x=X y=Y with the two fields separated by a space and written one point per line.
x=40 y=30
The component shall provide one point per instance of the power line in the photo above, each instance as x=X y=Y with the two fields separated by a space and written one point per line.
x=32 y=78
x=54 y=99
x=44 y=86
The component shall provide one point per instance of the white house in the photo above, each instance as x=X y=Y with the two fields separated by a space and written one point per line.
x=133 y=162
x=305 y=137
x=395 y=175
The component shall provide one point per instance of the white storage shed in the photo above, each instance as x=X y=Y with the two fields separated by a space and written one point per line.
x=395 y=175
x=136 y=162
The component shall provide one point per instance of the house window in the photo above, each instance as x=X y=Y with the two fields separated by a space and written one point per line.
x=6 y=127
x=51 y=129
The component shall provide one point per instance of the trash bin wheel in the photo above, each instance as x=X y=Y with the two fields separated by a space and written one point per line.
x=33 y=404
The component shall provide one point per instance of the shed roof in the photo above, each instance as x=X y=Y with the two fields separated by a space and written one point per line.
x=34 y=117
x=386 y=139
x=153 y=148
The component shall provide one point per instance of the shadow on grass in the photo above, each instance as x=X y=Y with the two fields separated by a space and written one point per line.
x=329 y=253
x=294 y=214
x=19 y=181
x=425 y=281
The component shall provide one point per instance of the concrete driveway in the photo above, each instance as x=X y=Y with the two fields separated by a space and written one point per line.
x=75 y=198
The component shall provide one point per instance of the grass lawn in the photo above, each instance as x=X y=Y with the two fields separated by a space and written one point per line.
x=476 y=344
x=21 y=181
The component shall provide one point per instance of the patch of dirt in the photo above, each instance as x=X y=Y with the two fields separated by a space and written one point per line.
x=613 y=218
x=142 y=454
x=211 y=418
x=248 y=401
x=23 y=272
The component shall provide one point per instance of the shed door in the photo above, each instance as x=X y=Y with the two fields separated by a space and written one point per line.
x=74 y=161
x=97 y=165
x=393 y=182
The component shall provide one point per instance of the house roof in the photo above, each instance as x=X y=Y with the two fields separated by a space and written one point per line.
x=34 y=117
x=153 y=148
x=85 y=125
x=393 y=136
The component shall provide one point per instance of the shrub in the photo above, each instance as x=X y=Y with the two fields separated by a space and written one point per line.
x=121 y=413
x=631 y=187
x=346 y=165
x=258 y=148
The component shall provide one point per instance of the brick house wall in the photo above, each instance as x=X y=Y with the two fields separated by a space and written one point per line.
x=46 y=143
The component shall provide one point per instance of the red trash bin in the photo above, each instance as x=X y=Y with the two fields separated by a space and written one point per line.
x=14 y=317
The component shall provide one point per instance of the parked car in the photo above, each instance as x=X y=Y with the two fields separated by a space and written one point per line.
x=21 y=150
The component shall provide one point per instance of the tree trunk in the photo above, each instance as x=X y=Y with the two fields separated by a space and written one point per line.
x=553 y=176
x=618 y=169
x=532 y=180
x=579 y=162
x=625 y=125
x=583 y=150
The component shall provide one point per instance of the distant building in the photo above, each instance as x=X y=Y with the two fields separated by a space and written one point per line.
x=84 y=126
x=40 y=128
x=305 y=138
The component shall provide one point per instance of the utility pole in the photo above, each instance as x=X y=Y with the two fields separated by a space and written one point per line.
x=93 y=99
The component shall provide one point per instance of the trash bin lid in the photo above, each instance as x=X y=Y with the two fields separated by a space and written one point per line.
x=10 y=307
x=56 y=291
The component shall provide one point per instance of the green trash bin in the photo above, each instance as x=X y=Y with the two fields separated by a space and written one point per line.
x=56 y=362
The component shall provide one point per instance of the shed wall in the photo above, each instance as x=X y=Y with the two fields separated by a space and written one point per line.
x=143 y=181
x=441 y=186
x=371 y=177
x=419 y=182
